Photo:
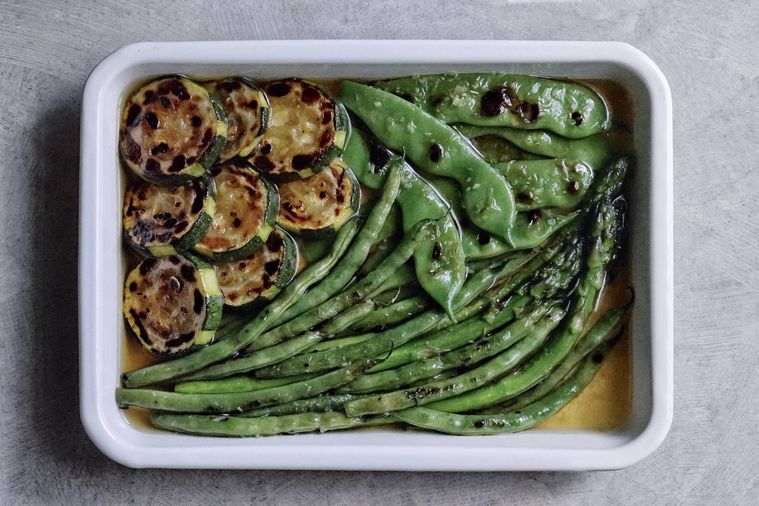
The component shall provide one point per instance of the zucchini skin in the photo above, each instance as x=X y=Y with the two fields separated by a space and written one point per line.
x=342 y=130
x=195 y=233
x=348 y=210
x=285 y=272
x=204 y=284
x=264 y=113
x=254 y=244
x=198 y=167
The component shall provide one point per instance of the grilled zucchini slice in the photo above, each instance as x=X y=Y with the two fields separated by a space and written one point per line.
x=172 y=130
x=173 y=303
x=246 y=210
x=321 y=204
x=247 y=109
x=159 y=220
x=250 y=282
x=308 y=130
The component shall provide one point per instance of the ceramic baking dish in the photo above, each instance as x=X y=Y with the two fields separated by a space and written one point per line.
x=101 y=268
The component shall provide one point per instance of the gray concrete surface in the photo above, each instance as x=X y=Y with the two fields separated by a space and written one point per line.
x=708 y=51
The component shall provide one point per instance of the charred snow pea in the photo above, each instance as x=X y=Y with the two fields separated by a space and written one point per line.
x=172 y=131
x=494 y=99
x=437 y=149
x=308 y=130
x=172 y=303
x=246 y=209
x=320 y=204
x=440 y=263
x=593 y=150
x=252 y=281
x=496 y=149
x=158 y=220
x=247 y=110
x=530 y=228
x=547 y=183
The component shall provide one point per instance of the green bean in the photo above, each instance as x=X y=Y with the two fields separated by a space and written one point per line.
x=483 y=374
x=368 y=285
x=258 y=359
x=437 y=149
x=339 y=342
x=348 y=317
x=597 y=341
x=484 y=347
x=593 y=150
x=392 y=314
x=494 y=99
x=227 y=347
x=402 y=277
x=396 y=336
x=239 y=401
x=241 y=383
x=318 y=404
x=235 y=426
x=511 y=421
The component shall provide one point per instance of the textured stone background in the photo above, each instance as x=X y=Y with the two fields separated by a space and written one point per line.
x=707 y=50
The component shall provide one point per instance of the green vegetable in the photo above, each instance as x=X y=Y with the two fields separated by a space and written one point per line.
x=547 y=183
x=440 y=360
x=593 y=150
x=492 y=99
x=483 y=374
x=234 y=343
x=439 y=263
x=250 y=282
x=241 y=383
x=319 y=205
x=319 y=404
x=159 y=220
x=437 y=149
x=247 y=109
x=392 y=314
x=172 y=131
x=239 y=401
x=172 y=303
x=244 y=215
x=268 y=426
x=308 y=130
x=511 y=421
x=495 y=149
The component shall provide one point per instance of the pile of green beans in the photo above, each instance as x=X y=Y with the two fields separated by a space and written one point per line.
x=475 y=320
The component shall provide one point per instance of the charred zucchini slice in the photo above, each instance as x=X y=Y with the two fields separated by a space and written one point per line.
x=173 y=303
x=252 y=281
x=321 y=204
x=172 y=130
x=246 y=210
x=159 y=220
x=247 y=110
x=308 y=129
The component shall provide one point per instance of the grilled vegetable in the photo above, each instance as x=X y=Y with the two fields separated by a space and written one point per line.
x=247 y=109
x=172 y=130
x=246 y=209
x=320 y=204
x=307 y=131
x=173 y=303
x=258 y=278
x=159 y=220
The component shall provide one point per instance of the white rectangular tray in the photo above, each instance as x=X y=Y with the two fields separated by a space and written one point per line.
x=101 y=264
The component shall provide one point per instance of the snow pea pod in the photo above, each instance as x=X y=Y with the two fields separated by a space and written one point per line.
x=439 y=263
x=593 y=150
x=495 y=149
x=495 y=99
x=437 y=149
x=530 y=228
x=547 y=183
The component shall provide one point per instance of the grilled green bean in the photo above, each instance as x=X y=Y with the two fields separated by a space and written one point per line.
x=241 y=383
x=239 y=401
x=511 y=421
x=390 y=315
